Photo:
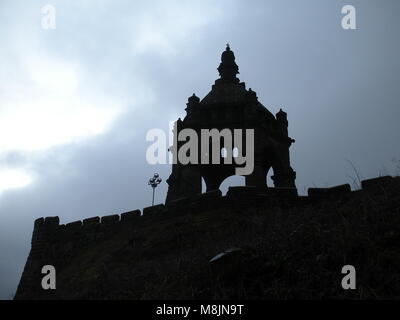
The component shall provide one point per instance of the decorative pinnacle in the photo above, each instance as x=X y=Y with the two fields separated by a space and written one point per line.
x=228 y=69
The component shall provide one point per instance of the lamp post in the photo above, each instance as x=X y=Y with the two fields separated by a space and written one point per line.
x=154 y=182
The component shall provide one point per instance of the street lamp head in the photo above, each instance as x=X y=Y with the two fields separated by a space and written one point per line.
x=154 y=182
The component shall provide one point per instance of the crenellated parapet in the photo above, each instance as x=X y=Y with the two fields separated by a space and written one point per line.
x=55 y=244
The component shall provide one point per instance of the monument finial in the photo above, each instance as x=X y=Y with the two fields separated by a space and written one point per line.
x=228 y=69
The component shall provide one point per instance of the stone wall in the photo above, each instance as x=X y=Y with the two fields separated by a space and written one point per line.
x=54 y=243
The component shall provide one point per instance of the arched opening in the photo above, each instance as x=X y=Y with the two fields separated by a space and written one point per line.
x=232 y=181
x=269 y=181
x=203 y=185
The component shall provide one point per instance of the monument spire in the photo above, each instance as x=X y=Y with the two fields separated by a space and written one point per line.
x=228 y=69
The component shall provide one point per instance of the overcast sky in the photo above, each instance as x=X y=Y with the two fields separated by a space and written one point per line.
x=76 y=102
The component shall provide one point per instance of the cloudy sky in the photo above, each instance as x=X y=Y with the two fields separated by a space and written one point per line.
x=77 y=101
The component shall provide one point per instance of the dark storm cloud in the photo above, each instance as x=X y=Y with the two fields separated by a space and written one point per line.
x=338 y=87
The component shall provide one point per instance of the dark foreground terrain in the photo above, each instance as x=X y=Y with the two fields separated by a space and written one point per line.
x=285 y=248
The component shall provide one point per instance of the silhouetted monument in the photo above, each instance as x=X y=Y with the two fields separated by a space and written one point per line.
x=230 y=105
x=125 y=255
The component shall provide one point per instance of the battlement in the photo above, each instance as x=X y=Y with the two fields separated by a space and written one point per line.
x=209 y=200
x=55 y=244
